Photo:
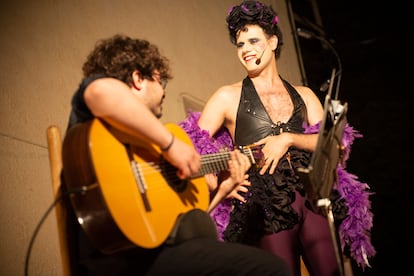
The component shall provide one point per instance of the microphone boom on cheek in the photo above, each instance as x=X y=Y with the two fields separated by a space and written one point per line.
x=259 y=59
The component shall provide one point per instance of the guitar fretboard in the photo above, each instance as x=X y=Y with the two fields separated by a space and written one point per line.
x=217 y=162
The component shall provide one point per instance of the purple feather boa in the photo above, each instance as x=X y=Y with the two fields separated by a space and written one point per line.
x=354 y=230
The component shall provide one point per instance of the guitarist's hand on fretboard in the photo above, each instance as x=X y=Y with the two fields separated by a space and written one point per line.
x=235 y=180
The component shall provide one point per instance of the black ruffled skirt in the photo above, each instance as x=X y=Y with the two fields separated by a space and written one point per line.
x=269 y=201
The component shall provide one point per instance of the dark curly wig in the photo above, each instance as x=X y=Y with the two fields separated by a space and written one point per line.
x=254 y=13
x=120 y=55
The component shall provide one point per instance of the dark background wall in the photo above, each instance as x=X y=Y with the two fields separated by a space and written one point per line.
x=369 y=38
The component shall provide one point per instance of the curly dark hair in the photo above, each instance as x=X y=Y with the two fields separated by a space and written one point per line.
x=120 y=55
x=254 y=13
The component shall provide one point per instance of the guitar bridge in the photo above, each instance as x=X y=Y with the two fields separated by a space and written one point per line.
x=142 y=188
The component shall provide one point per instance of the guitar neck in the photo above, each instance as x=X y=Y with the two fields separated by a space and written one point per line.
x=216 y=162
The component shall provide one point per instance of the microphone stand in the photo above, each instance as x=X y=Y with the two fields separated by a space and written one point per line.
x=310 y=35
x=321 y=173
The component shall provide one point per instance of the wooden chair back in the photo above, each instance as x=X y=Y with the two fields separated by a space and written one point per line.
x=54 y=142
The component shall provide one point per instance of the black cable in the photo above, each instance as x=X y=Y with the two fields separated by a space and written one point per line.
x=310 y=35
x=42 y=220
x=22 y=140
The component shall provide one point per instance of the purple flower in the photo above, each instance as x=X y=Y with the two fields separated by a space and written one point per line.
x=275 y=20
x=230 y=10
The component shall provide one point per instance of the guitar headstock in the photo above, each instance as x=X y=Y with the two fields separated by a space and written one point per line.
x=254 y=153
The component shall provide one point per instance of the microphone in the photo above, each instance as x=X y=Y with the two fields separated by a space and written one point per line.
x=325 y=85
x=259 y=59
x=305 y=34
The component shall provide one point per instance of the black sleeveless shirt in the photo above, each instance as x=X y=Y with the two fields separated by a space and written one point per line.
x=269 y=201
x=254 y=123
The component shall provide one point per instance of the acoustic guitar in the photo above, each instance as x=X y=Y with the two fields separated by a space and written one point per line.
x=125 y=194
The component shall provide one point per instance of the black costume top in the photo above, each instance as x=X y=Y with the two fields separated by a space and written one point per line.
x=268 y=208
x=255 y=122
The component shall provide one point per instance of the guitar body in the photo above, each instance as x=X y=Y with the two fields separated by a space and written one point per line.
x=128 y=195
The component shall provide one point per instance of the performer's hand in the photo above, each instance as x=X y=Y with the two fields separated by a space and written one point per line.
x=274 y=147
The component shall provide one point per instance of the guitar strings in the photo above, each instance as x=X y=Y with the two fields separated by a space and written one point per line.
x=210 y=163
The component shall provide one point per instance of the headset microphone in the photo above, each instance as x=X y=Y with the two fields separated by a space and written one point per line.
x=259 y=59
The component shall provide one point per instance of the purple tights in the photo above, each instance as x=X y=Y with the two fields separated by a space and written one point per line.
x=311 y=238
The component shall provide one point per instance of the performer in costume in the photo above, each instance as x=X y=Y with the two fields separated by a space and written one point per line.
x=266 y=110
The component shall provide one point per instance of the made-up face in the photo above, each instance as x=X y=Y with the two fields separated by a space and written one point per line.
x=254 y=48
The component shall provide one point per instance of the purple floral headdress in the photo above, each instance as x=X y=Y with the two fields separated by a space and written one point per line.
x=275 y=20
x=253 y=13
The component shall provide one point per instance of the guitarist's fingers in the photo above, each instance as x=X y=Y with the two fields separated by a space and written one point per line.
x=184 y=157
x=181 y=174
x=246 y=182
x=240 y=189
x=212 y=181
x=237 y=196
x=242 y=186
x=188 y=170
x=236 y=168
x=243 y=161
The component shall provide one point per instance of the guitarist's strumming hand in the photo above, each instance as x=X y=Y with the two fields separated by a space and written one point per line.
x=182 y=156
x=233 y=181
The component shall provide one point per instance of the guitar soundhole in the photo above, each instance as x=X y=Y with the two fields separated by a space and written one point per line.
x=169 y=173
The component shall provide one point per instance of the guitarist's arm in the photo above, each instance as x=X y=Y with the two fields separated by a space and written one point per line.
x=231 y=181
x=137 y=120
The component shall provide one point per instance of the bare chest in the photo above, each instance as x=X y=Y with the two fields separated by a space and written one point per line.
x=278 y=106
